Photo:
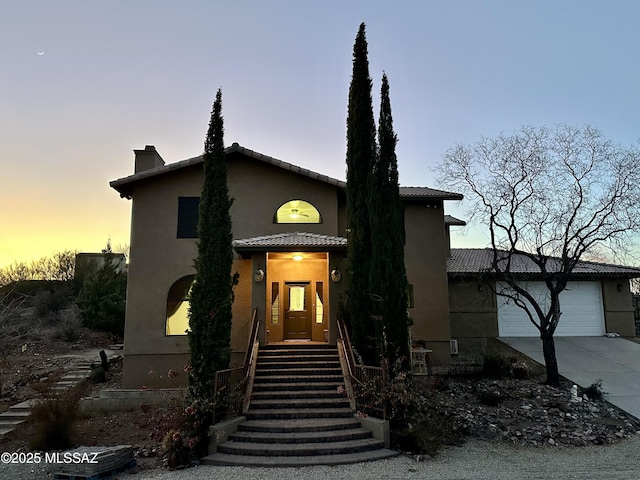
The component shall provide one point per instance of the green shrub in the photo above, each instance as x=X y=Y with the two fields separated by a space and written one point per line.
x=54 y=416
x=102 y=300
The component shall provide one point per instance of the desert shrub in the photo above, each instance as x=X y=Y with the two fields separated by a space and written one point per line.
x=53 y=299
x=68 y=330
x=175 y=449
x=594 y=391
x=54 y=416
x=495 y=365
x=520 y=371
x=490 y=398
x=419 y=422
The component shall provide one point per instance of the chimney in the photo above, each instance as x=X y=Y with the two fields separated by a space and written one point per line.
x=147 y=159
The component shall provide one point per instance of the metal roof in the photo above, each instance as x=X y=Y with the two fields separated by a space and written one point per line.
x=478 y=260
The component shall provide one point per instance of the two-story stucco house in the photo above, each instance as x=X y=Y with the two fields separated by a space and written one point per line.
x=289 y=228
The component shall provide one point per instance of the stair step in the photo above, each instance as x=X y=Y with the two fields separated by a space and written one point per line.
x=11 y=415
x=338 y=379
x=11 y=423
x=296 y=386
x=261 y=371
x=278 y=461
x=268 y=413
x=282 y=393
x=297 y=364
x=302 y=437
x=307 y=349
x=299 y=425
x=299 y=352
x=287 y=403
x=296 y=358
x=294 y=449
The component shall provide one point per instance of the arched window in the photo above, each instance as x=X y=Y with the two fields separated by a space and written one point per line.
x=178 y=306
x=297 y=211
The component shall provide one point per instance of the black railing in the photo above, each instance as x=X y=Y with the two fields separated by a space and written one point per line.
x=233 y=384
x=368 y=383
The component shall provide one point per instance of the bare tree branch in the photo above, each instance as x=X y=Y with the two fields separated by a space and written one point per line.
x=550 y=196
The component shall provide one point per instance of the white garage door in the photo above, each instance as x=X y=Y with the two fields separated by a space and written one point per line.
x=580 y=304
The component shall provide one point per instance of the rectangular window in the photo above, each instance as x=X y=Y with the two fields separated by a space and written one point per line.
x=319 y=302
x=297 y=296
x=275 y=303
x=188 y=217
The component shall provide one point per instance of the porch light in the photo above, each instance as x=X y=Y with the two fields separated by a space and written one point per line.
x=336 y=275
x=258 y=275
x=297 y=257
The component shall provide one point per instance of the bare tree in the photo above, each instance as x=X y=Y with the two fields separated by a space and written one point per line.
x=550 y=197
x=60 y=266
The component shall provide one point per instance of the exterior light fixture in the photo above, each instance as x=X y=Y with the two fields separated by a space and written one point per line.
x=336 y=275
x=297 y=257
x=258 y=275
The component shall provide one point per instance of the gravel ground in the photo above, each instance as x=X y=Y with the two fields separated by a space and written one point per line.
x=476 y=460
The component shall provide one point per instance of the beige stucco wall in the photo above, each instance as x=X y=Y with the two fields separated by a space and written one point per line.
x=158 y=258
x=308 y=269
x=474 y=314
x=425 y=259
x=618 y=307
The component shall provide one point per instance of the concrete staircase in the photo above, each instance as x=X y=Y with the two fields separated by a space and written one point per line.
x=14 y=416
x=19 y=413
x=296 y=416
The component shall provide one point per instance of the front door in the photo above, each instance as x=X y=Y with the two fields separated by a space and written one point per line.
x=297 y=310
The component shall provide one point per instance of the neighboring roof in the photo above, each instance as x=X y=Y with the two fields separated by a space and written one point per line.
x=449 y=220
x=124 y=185
x=290 y=241
x=469 y=261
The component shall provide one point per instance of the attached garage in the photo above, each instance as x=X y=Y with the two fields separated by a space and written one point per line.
x=581 y=306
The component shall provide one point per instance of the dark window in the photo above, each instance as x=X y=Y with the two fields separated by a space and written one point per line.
x=188 y=217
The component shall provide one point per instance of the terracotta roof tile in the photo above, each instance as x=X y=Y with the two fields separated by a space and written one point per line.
x=123 y=185
x=291 y=240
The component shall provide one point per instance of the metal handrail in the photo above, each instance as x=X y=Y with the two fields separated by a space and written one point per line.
x=367 y=383
x=237 y=381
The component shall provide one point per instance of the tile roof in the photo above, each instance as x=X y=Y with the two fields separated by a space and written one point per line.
x=449 y=220
x=291 y=240
x=477 y=260
x=123 y=185
x=426 y=192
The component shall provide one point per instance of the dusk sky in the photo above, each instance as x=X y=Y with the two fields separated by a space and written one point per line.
x=83 y=83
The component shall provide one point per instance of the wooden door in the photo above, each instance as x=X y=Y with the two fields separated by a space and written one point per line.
x=298 y=310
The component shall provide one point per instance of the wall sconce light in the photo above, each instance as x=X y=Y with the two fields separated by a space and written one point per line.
x=336 y=275
x=620 y=287
x=258 y=275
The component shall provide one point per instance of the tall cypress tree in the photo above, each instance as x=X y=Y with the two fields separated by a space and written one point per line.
x=387 y=276
x=212 y=292
x=361 y=149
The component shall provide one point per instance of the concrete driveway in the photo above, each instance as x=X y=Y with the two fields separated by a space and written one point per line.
x=583 y=360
